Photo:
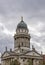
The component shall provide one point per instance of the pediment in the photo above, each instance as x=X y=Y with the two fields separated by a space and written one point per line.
x=5 y=54
x=33 y=53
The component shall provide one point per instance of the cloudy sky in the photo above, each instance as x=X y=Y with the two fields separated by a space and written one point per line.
x=33 y=12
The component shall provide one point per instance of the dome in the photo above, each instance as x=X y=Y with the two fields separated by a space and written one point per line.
x=22 y=24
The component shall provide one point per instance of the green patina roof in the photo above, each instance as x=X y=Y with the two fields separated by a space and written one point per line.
x=22 y=24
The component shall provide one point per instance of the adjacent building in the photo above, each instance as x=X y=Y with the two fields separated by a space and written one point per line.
x=22 y=51
x=43 y=59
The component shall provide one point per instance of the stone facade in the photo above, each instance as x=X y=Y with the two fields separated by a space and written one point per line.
x=22 y=50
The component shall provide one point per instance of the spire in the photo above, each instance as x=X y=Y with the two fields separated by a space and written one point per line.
x=22 y=18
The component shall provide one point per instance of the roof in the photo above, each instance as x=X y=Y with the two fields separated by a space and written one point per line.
x=28 y=53
x=22 y=24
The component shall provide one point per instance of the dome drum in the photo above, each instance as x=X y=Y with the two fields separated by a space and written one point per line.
x=22 y=36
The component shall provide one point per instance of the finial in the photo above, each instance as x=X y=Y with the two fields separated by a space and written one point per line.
x=21 y=18
x=33 y=47
x=6 y=48
x=41 y=52
x=10 y=50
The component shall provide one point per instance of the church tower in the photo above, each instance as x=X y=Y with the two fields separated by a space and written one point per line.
x=22 y=52
x=22 y=36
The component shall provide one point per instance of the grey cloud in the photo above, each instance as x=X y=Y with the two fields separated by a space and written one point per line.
x=12 y=6
x=33 y=12
x=6 y=41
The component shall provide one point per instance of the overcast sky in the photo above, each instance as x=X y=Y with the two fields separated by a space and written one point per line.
x=33 y=12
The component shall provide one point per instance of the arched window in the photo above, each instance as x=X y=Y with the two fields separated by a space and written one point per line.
x=22 y=43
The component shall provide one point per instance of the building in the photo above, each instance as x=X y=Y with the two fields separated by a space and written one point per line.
x=22 y=51
x=0 y=63
x=43 y=59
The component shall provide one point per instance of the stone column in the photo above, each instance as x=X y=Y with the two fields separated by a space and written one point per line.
x=34 y=62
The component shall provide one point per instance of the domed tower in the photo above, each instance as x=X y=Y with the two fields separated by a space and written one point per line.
x=22 y=36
